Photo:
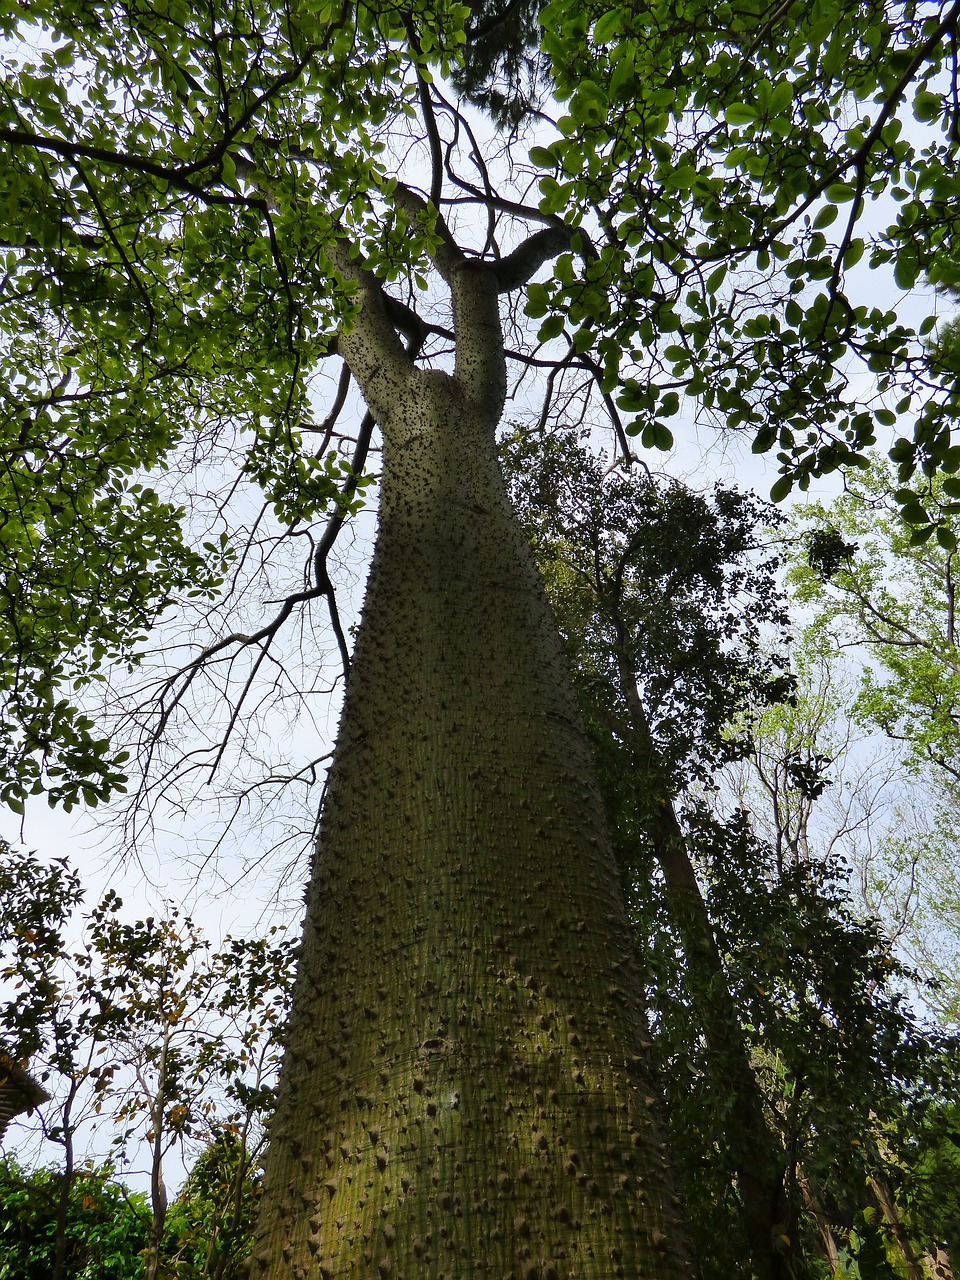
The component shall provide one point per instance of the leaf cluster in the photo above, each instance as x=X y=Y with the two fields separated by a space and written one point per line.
x=143 y=1020
x=106 y=1224
x=731 y=153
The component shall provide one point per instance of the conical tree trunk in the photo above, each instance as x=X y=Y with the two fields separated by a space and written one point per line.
x=465 y=1092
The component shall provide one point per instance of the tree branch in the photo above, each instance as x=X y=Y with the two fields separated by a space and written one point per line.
x=370 y=344
x=520 y=266
x=445 y=254
x=74 y=151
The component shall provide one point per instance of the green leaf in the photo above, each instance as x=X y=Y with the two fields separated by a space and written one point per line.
x=538 y=300
x=741 y=113
x=928 y=106
x=607 y=26
x=826 y=216
x=662 y=437
x=853 y=253
x=552 y=327
x=905 y=271
x=542 y=157
x=781 y=99
x=669 y=406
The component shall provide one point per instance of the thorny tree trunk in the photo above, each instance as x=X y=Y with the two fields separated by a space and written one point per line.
x=465 y=1092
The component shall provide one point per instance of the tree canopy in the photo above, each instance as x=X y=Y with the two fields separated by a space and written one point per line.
x=177 y=181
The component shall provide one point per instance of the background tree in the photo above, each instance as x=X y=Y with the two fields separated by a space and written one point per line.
x=882 y=598
x=105 y=1229
x=144 y=1028
x=108 y=1226
x=210 y=1224
x=783 y=1035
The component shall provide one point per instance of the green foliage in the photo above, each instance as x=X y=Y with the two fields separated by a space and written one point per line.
x=931 y=1195
x=893 y=597
x=106 y=1225
x=891 y=605
x=153 y=302
x=36 y=902
x=173 y=183
x=730 y=155
x=206 y=1233
x=145 y=1022
x=654 y=580
x=209 y=1226
x=846 y=1072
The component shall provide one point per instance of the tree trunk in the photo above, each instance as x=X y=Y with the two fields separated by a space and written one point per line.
x=888 y=1208
x=937 y=1266
x=465 y=1092
x=756 y=1155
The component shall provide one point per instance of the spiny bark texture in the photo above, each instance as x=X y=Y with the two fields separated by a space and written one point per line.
x=465 y=1093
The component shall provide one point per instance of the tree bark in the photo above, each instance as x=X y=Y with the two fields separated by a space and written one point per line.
x=756 y=1154
x=888 y=1208
x=465 y=1092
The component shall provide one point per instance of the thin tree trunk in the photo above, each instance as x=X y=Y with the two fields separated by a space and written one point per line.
x=830 y=1247
x=158 y=1191
x=756 y=1154
x=465 y=1091
x=66 y=1184
x=889 y=1210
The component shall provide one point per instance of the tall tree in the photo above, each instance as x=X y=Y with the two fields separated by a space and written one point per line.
x=670 y=606
x=884 y=593
x=196 y=214
x=468 y=1033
